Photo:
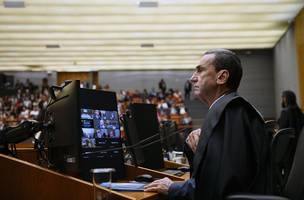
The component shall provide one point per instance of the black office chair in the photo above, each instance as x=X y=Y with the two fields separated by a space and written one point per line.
x=294 y=188
x=272 y=126
x=282 y=152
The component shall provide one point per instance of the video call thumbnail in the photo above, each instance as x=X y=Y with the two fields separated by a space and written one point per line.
x=98 y=125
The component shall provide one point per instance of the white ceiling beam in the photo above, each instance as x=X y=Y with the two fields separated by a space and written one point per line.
x=161 y=2
x=127 y=43
x=111 y=54
x=142 y=27
x=99 y=58
x=151 y=19
x=131 y=48
x=164 y=9
x=144 y=35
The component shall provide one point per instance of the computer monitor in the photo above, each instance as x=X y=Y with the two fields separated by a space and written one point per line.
x=140 y=125
x=86 y=127
x=100 y=133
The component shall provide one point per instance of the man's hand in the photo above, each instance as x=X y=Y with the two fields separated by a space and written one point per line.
x=159 y=186
x=193 y=138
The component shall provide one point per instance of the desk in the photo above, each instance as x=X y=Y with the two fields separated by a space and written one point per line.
x=27 y=181
x=171 y=164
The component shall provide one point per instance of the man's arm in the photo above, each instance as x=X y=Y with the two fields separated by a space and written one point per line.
x=182 y=190
x=176 y=191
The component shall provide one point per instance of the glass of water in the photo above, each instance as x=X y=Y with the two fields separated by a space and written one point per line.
x=100 y=175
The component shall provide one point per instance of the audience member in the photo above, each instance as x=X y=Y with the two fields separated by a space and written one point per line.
x=187 y=89
x=291 y=115
x=162 y=86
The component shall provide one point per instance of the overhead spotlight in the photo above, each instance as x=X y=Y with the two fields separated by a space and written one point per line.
x=148 y=4
x=147 y=45
x=52 y=46
x=14 y=4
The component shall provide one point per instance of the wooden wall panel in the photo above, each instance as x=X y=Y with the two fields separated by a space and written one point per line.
x=62 y=76
x=299 y=38
x=90 y=77
x=95 y=78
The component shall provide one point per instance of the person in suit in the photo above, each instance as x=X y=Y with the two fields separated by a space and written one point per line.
x=291 y=115
x=230 y=152
x=187 y=89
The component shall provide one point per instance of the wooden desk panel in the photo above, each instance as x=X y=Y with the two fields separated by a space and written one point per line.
x=22 y=180
x=34 y=182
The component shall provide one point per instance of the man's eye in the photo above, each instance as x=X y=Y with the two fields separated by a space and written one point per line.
x=198 y=69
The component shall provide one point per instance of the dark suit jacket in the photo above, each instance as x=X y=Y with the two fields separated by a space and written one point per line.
x=232 y=154
x=292 y=117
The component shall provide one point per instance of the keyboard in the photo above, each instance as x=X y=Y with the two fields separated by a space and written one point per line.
x=131 y=186
x=174 y=172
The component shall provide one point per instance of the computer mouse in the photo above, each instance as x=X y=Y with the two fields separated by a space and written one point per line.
x=144 y=178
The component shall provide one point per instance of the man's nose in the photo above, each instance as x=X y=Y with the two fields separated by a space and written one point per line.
x=193 y=78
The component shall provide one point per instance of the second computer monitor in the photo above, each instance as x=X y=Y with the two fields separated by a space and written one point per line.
x=143 y=124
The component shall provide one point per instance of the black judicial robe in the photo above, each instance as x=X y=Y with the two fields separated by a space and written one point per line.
x=232 y=154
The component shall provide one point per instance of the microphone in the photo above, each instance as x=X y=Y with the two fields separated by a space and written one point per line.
x=21 y=132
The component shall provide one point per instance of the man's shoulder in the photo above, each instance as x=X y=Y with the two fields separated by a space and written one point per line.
x=240 y=103
x=232 y=99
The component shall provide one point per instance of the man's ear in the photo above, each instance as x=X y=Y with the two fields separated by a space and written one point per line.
x=222 y=77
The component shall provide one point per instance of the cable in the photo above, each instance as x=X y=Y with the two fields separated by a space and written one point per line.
x=137 y=144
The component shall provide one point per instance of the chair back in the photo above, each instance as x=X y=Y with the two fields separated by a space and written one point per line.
x=272 y=126
x=282 y=151
x=294 y=188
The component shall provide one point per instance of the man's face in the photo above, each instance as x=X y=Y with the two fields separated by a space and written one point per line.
x=204 y=78
x=283 y=102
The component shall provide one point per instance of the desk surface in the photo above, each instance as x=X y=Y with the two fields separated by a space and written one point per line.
x=29 y=155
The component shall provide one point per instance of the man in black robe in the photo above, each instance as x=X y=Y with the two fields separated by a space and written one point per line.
x=231 y=150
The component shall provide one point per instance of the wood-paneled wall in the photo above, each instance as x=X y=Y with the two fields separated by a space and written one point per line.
x=299 y=38
x=90 y=77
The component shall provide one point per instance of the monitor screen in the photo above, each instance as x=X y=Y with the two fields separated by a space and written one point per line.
x=98 y=127
x=101 y=145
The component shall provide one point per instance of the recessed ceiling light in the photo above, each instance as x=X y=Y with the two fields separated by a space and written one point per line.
x=147 y=45
x=148 y=4
x=13 y=4
x=50 y=46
